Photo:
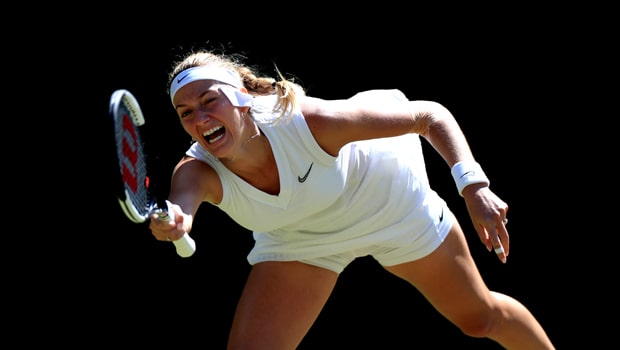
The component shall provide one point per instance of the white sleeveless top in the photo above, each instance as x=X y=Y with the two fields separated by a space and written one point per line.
x=373 y=191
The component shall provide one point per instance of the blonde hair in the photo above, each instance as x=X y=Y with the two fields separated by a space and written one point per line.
x=286 y=90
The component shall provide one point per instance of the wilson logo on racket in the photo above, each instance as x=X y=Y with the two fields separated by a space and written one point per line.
x=130 y=154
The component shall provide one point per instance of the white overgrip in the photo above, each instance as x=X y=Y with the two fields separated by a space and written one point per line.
x=185 y=245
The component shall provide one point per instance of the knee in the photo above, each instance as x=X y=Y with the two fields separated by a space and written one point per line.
x=485 y=321
x=479 y=325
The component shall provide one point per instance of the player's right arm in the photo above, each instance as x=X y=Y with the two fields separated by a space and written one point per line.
x=193 y=182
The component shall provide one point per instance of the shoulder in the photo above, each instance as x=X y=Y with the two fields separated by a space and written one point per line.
x=312 y=106
x=329 y=121
x=320 y=113
x=380 y=95
x=191 y=166
x=192 y=175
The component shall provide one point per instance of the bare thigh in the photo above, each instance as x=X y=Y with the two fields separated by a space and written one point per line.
x=279 y=304
x=450 y=281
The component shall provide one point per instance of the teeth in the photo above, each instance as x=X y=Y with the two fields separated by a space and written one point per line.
x=215 y=139
x=211 y=131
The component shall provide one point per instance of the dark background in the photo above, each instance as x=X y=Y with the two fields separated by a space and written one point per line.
x=97 y=278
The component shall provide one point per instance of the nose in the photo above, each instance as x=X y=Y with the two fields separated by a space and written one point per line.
x=203 y=116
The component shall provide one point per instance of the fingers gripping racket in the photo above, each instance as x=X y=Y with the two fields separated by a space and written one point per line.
x=134 y=196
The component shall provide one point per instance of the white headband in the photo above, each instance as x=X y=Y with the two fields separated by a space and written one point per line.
x=203 y=73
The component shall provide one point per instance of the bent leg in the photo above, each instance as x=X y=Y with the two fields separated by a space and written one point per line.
x=279 y=304
x=462 y=297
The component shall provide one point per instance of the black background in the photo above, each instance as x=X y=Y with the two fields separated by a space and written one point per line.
x=96 y=278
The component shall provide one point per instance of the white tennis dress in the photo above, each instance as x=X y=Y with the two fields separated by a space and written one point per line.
x=375 y=192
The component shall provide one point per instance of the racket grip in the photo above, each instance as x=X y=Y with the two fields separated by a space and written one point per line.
x=185 y=246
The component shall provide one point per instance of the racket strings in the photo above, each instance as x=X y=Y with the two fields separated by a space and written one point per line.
x=132 y=160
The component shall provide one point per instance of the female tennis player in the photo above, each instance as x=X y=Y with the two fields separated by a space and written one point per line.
x=322 y=182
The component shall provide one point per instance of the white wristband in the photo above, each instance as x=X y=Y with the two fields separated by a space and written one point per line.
x=467 y=173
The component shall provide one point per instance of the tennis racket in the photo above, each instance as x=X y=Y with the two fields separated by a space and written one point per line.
x=134 y=195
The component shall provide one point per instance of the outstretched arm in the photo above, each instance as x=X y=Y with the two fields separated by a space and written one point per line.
x=193 y=182
x=385 y=113
x=486 y=210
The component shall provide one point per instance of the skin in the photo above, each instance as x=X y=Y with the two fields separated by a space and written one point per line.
x=281 y=300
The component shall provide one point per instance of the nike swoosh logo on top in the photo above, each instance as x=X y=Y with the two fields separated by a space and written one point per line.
x=302 y=179
x=181 y=79
x=441 y=215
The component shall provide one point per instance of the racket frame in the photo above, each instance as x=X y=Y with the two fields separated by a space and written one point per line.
x=123 y=99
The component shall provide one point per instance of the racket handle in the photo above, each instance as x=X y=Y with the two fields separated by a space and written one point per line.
x=185 y=246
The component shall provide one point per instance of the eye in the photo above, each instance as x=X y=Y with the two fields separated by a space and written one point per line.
x=184 y=113
x=209 y=100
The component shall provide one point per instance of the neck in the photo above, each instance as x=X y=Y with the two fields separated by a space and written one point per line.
x=258 y=134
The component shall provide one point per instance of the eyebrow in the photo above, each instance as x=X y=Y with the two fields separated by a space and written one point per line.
x=199 y=97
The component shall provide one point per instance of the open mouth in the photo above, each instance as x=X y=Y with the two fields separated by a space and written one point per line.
x=214 y=134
